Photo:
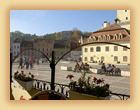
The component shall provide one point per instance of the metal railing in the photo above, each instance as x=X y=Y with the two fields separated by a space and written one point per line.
x=64 y=89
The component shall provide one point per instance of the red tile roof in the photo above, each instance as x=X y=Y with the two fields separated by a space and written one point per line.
x=111 y=30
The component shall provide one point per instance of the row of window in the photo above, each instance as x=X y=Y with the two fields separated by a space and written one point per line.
x=44 y=49
x=104 y=37
x=103 y=58
x=98 y=49
x=16 y=47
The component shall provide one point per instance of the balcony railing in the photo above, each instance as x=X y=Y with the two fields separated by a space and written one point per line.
x=64 y=89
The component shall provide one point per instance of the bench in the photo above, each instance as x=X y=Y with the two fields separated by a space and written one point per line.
x=115 y=72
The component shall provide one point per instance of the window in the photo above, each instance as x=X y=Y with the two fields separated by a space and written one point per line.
x=86 y=50
x=115 y=48
x=18 y=47
x=104 y=37
x=85 y=58
x=98 y=49
x=115 y=58
x=91 y=49
x=108 y=37
x=14 y=46
x=125 y=10
x=91 y=58
x=125 y=58
x=107 y=48
x=100 y=38
x=120 y=36
x=124 y=49
x=126 y=18
x=102 y=58
x=115 y=37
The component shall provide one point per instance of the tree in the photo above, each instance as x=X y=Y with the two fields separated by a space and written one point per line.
x=58 y=36
x=76 y=35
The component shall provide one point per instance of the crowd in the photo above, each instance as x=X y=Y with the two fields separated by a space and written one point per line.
x=79 y=68
x=110 y=68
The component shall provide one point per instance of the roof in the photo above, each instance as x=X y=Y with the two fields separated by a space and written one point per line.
x=42 y=40
x=18 y=40
x=60 y=46
x=26 y=44
x=111 y=30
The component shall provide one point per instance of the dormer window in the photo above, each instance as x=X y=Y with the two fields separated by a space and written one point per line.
x=94 y=38
x=100 y=38
x=108 y=37
x=120 y=36
x=115 y=37
x=104 y=37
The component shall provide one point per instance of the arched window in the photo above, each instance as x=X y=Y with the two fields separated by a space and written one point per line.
x=104 y=37
x=94 y=38
x=115 y=37
x=98 y=49
x=120 y=36
x=100 y=38
x=108 y=37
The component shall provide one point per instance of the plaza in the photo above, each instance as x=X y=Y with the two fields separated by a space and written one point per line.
x=118 y=84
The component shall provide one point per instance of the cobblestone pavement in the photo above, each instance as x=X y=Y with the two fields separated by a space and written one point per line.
x=118 y=84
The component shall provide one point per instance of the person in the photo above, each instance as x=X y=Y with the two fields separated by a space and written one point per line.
x=77 y=68
x=82 y=66
x=113 y=69
x=20 y=62
x=86 y=67
x=38 y=61
x=103 y=68
x=109 y=69
x=31 y=62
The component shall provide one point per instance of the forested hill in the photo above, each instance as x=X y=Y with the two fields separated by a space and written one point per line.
x=73 y=35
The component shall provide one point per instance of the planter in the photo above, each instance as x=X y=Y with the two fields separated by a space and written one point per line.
x=81 y=96
x=26 y=85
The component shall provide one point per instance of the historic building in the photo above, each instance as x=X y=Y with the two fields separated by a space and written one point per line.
x=75 y=54
x=123 y=18
x=26 y=49
x=16 y=47
x=108 y=53
x=60 y=50
x=44 y=45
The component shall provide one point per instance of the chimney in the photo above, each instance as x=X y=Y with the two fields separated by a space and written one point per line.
x=105 y=24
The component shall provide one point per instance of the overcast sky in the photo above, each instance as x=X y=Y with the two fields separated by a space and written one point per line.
x=41 y=22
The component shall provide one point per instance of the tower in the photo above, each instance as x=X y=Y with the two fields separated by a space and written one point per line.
x=123 y=18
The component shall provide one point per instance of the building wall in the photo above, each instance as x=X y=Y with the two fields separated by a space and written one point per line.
x=124 y=17
x=45 y=46
x=15 y=49
x=108 y=55
x=61 y=51
x=76 y=55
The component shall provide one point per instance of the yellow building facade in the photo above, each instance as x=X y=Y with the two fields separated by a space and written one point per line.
x=109 y=54
x=118 y=33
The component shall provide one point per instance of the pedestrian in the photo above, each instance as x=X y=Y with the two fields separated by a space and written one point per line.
x=82 y=66
x=77 y=68
x=31 y=62
x=38 y=61
x=20 y=62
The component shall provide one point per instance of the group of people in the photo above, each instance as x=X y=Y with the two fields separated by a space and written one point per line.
x=25 y=62
x=83 y=66
x=110 y=68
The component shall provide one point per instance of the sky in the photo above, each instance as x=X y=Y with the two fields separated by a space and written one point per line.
x=41 y=22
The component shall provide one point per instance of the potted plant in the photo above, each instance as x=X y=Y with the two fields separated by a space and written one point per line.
x=25 y=80
x=91 y=86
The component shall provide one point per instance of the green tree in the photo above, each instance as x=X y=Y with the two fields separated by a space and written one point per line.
x=58 y=36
